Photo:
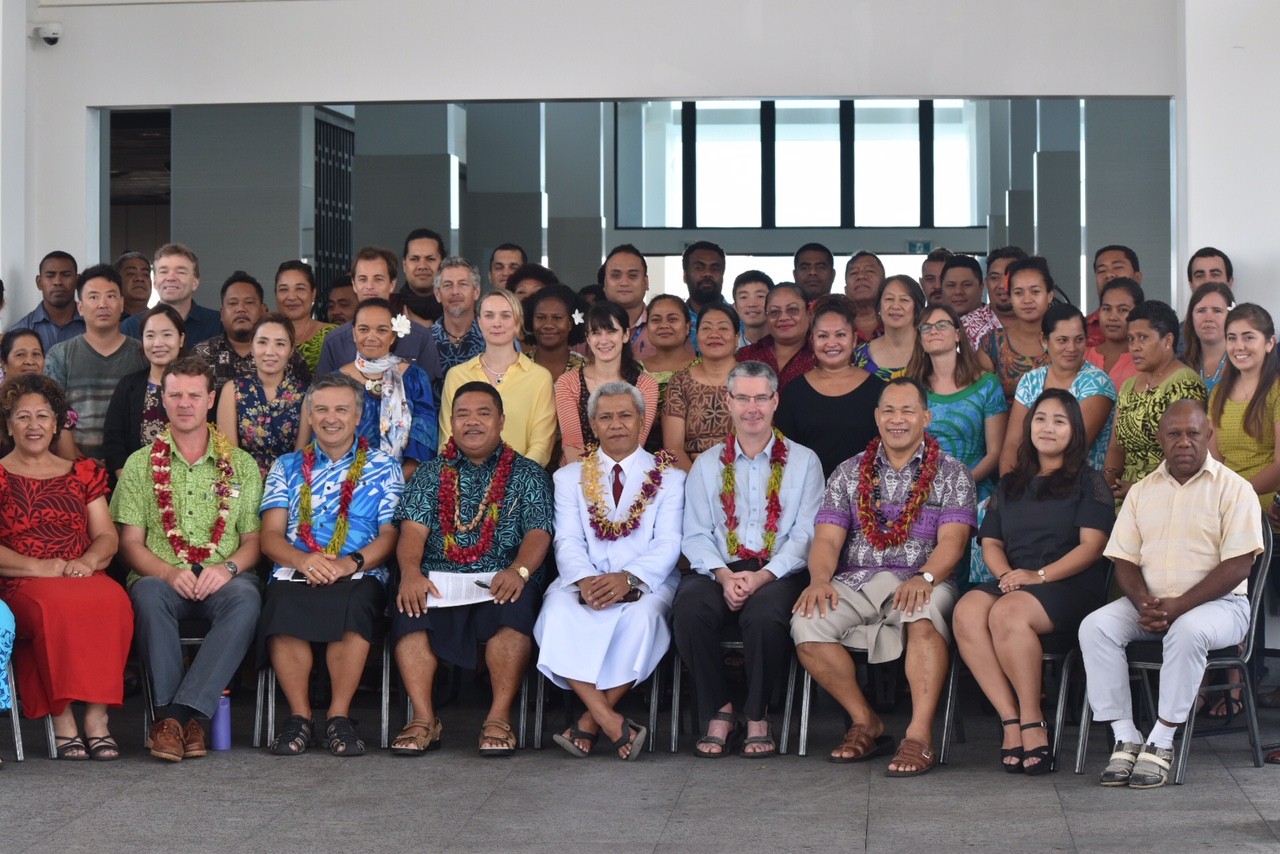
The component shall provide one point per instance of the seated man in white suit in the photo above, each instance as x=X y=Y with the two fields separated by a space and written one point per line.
x=603 y=626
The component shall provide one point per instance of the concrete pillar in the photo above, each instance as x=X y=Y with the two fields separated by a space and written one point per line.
x=1020 y=197
x=505 y=198
x=1128 y=186
x=406 y=171
x=575 y=190
x=1057 y=191
x=993 y=122
x=243 y=189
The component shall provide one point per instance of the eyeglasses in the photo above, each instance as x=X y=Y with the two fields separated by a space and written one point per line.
x=757 y=399
x=789 y=311
x=940 y=325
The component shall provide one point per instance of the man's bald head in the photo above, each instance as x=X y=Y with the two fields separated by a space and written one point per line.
x=1184 y=438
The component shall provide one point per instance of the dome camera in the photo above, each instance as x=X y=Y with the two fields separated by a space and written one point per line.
x=49 y=32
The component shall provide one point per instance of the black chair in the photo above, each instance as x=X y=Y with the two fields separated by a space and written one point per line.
x=1146 y=657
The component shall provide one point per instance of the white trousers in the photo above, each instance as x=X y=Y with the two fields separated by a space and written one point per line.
x=1106 y=632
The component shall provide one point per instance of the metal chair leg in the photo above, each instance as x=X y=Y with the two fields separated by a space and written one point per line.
x=524 y=706
x=1082 y=741
x=785 y=741
x=14 y=715
x=805 y=697
x=271 y=704
x=655 y=688
x=675 y=702
x=384 y=736
x=1060 y=713
x=257 y=707
x=49 y=736
x=539 y=709
x=949 y=708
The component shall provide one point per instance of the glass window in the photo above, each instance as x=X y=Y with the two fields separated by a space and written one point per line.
x=808 y=163
x=650 y=164
x=955 y=168
x=886 y=158
x=728 y=164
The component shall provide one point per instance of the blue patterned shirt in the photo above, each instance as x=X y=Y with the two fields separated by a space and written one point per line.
x=471 y=345
x=1090 y=381
x=372 y=506
x=527 y=506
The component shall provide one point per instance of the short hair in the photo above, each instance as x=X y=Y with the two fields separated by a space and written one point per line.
x=537 y=272
x=189 y=366
x=241 y=277
x=508 y=247
x=611 y=389
x=10 y=339
x=750 y=277
x=1124 y=283
x=627 y=249
x=453 y=262
x=1210 y=252
x=1017 y=253
x=865 y=253
x=724 y=308
x=178 y=249
x=343 y=281
x=1032 y=262
x=1116 y=247
x=483 y=388
x=511 y=300
x=130 y=256
x=16 y=387
x=752 y=370
x=59 y=255
x=697 y=246
x=99 y=271
x=940 y=254
x=565 y=295
x=907 y=381
x=337 y=379
x=967 y=262
x=162 y=310
x=813 y=247
x=298 y=266
x=913 y=290
x=425 y=234
x=276 y=317
x=377 y=253
x=596 y=291
x=1059 y=312
x=1161 y=316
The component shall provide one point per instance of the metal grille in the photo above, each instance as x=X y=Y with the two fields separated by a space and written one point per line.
x=335 y=154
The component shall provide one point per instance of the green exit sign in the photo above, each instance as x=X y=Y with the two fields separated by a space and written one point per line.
x=919 y=247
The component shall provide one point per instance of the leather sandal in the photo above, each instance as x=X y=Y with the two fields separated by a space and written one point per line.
x=71 y=748
x=343 y=738
x=725 y=744
x=863 y=746
x=426 y=737
x=103 y=748
x=912 y=752
x=508 y=739
x=295 y=738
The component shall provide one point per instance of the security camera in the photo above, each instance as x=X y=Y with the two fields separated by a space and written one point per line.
x=50 y=32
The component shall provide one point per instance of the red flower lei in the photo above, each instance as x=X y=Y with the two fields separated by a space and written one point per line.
x=343 y=524
x=881 y=533
x=596 y=510
x=162 y=477
x=773 y=506
x=486 y=514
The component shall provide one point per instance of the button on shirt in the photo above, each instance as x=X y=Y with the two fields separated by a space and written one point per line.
x=1176 y=533
x=706 y=536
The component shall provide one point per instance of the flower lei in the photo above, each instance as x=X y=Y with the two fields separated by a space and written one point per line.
x=881 y=533
x=342 y=526
x=773 y=506
x=486 y=514
x=598 y=511
x=162 y=477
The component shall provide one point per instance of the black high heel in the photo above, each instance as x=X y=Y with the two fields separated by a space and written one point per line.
x=1007 y=752
x=1043 y=755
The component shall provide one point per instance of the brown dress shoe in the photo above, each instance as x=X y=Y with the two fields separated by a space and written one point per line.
x=165 y=740
x=193 y=746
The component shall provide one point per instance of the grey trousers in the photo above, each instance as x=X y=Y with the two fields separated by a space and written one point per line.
x=233 y=613
x=1106 y=632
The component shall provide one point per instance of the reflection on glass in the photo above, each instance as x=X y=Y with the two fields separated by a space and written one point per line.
x=728 y=158
x=808 y=163
x=955 y=171
x=886 y=157
x=650 y=164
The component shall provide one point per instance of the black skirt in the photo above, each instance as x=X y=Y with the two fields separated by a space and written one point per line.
x=455 y=632
x=320 y=614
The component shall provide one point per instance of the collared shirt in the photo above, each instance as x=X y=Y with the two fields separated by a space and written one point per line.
x=764 y=351
x=526 y=506
x=470 y=346
x=202 y=324
x=649 y=552
x=952 y=499
x=373 y=504
x=418 y=346
x=979 y=322
x=706 y=536
x=528 y=399
x=50 y=333
x=1093 y=329
x=1176 y=533
x=134 y=501
x=228 y=365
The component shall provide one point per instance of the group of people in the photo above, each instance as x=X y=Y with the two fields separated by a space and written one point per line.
x=476 y=472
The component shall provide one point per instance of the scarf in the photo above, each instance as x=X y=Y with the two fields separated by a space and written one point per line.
x=394 y=416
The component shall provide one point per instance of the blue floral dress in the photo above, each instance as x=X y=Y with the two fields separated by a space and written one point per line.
x=268 y=429
x=6 y=650
x=423 y=429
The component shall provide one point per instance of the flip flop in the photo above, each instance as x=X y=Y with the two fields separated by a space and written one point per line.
x=569 y=743
x=635 y=742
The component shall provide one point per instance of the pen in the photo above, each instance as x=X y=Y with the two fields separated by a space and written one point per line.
x=483 y=584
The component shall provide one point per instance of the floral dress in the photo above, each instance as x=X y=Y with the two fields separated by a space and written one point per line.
x=1138 y=415
x=268 y=429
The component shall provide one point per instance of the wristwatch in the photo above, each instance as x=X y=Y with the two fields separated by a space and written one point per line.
x=359 y=559
x=522 y=571
x=231 y=567
x=927 y=576
x=632 y=581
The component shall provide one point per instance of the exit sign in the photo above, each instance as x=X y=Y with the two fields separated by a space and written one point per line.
x=919 y=247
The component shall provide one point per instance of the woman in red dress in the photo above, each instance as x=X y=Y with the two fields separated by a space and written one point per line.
x=56 y=539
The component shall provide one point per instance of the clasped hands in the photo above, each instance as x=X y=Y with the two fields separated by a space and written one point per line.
x=1016 y=579
x=738 y=586
x=1156 y=615
x=202 y=586
x=58 y=568
x=320 y=569
x=600 y=591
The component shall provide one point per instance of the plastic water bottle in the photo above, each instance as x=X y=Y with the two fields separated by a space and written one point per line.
x=222 y=723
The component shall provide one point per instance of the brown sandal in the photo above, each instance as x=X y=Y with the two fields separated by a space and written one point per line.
x=508 y=739
x=863 y=746
x=913 y=752
x=428 y=737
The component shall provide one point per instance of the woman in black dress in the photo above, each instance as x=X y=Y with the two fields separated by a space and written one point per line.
x=1042 y=537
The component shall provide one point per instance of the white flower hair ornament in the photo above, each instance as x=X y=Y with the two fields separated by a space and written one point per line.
x=400 y=325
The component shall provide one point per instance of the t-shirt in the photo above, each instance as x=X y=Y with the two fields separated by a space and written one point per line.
x=1243 y=454
x=1089 y=382
x=89 y=379
x=959 y=422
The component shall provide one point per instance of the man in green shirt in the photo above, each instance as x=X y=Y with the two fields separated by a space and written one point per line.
x=187 y=507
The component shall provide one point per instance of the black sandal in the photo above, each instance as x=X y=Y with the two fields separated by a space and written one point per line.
x=103 y=748
x=1014 y=752
x=1043 y=755
x=67 y=744
x=343 y=739
x=726 y=744
x=295 y=738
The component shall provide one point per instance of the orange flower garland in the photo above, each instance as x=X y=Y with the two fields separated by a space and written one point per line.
x=880 y=532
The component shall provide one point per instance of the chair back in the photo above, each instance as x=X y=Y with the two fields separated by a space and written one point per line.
x=1258 y=587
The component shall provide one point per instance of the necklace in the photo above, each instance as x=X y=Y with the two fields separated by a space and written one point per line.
x=486 y=514
x=162 y=477
x=596 y=509
x=497 y=376
x=773 y=505
x=880 y=532
x=343 y=524
x=1216 y=374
